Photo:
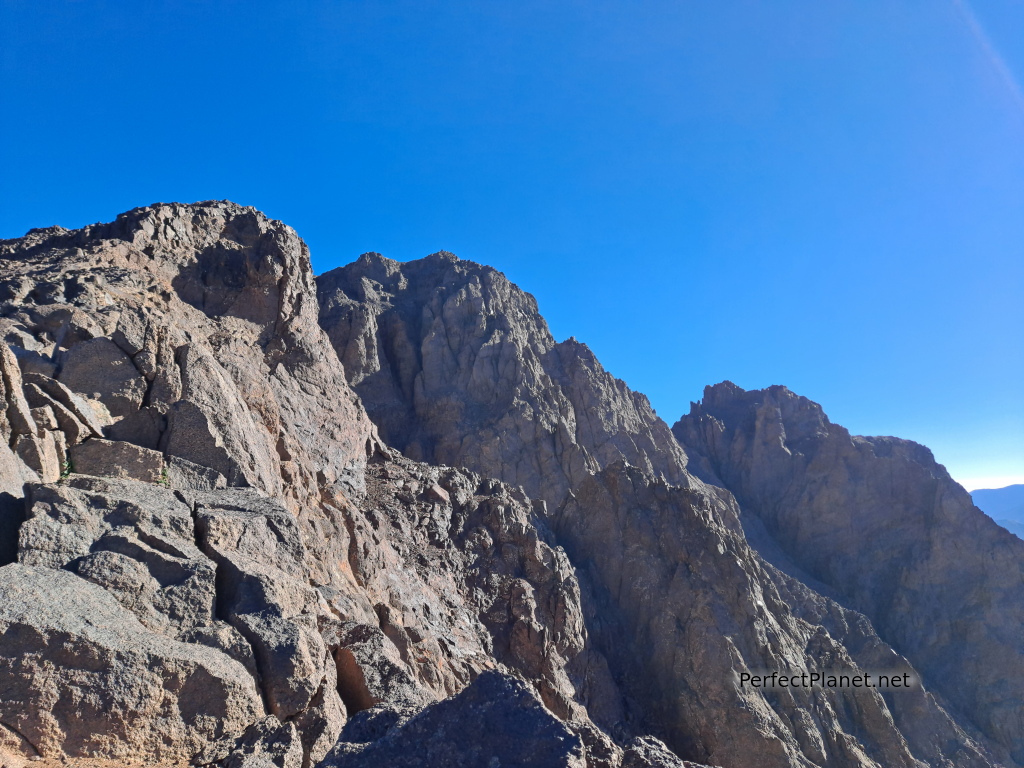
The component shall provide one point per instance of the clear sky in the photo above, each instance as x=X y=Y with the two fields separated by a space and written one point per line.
x=824 y=195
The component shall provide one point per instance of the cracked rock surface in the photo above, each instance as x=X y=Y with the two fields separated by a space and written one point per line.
x=885 y=528
x=253 y=519
x=225 y=492
x=454 y=364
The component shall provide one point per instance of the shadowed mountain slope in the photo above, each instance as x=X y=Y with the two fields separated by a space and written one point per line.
x=455 y=365
x=878 y=521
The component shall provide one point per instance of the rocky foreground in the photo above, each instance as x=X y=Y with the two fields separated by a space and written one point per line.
x=249 y=517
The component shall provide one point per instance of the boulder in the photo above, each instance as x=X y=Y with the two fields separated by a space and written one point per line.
x=213 y=425
x=114 y=458
x=371 y=669
x=81 y=677
x=42 y=390
x=18 y=416
x=142 y=427
x=260 y=554
x=649 y=752
x=136 y=540
x=39 y=453
x=268 y=743
x=187 y=475
x=496 y=721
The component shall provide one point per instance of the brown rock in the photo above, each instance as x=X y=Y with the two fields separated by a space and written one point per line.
x=649 y=752
x=83 y=678
x=371 y=669
x=144 y=427
x=18 y=417
x=680 y=581
x=74 y=430
x=45 y=391
x=496 y=721
x=456 y=367
x=879 y=522
x=195 y=477
x=349 y=571
x=134 y=539
x=214 y=427
x=437 y=493
x=40 y=455
x=99 y=370
x=266 y=743
x=44 y=418
x=109 y=458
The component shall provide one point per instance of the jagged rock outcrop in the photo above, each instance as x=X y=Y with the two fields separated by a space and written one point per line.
x=879 y=522
x=680 y=581
x=209 y=552
x=191 y=330
x=242 y=503
x=456 y=366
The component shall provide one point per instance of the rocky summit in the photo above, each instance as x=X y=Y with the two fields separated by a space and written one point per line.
x=250 y=517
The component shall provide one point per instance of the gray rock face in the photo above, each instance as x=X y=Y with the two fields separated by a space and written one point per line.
x=880 y=523
x=495 y=721
x=98 y=369
x=107 y=458
x=443 y=591
x=248 y=572
x=83 y=678
x=456 y=366
x=679 y=580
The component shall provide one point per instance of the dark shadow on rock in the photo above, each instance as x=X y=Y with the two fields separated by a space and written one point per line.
x=12 y=515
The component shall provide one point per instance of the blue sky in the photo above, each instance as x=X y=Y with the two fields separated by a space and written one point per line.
x=824 y=195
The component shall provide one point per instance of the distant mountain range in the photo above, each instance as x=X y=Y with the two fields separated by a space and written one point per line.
x=1004 y=505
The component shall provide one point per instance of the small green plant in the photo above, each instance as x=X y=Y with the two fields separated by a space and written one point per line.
x=66 y=468
x=164 y=480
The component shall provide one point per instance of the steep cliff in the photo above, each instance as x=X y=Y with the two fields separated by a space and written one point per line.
x=879 y=522
x=455 y=365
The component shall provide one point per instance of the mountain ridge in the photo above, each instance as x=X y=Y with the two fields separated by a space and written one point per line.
x=378 y=498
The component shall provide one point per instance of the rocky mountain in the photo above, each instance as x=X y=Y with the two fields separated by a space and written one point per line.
x=453 y=361
x=380 y=517
x=888 y=531
x=455 y=365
